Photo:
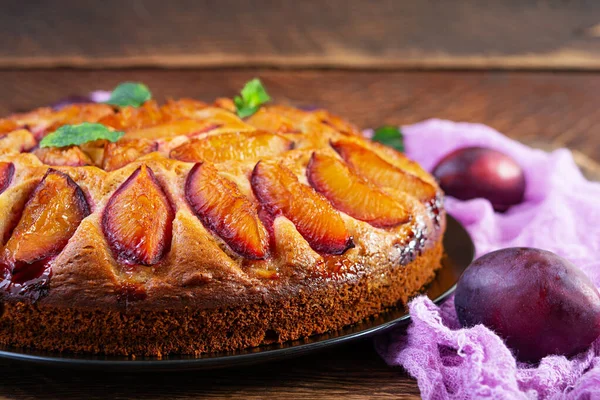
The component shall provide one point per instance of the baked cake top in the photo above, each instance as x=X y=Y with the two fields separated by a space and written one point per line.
x=194 y=204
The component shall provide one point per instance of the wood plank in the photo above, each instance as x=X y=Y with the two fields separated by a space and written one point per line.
x=558 y=108
x=316 y=33
x=350 y=372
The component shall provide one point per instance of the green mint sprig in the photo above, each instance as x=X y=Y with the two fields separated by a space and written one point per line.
x=129 y=94
x=390 y=136
x=69 y=135
x=253 y=95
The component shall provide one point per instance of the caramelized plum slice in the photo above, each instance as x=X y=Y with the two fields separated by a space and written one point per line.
x=7 y=125
x=19 y=141
x=184 y=127
x=295 y=115
x=225 y=103
x=335 y=122
x=71 y=156
x=353 y=195
x=375 y=169
x=280 y=192
x=7 y=171
x=182 y=108
x=221 y=207
x=232 y=146
x=134 y=117
x=123 y=152
x=138 y=218
x=269 y=121
x=52 y=214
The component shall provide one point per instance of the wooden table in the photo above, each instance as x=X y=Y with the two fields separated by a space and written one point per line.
x=533 y=34
x=550 y=109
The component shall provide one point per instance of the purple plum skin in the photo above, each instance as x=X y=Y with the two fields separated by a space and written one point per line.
x=474 y=172
x=540 y=303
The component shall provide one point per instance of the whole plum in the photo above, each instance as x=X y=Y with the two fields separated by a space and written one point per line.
x=473 y=172
x=538 y=302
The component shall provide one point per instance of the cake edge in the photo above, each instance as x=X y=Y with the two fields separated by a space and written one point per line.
x=187 y=331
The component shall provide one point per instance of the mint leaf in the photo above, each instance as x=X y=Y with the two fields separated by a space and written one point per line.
x=68 y=135
x=390 y=136
x=129 y=94
x=253 y=95
x=243 y=110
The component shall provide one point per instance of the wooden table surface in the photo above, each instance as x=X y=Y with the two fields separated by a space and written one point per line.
x=550 y=109
x=538 y=34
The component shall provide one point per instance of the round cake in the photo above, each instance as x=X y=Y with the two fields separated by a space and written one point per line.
x=199 y=230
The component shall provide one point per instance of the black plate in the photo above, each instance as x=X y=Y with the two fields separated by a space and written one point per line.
x=459 y=254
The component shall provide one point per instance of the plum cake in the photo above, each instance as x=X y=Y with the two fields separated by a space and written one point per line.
x=133 y=228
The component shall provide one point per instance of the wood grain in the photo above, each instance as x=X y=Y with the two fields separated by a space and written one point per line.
x=547 y=109
x=557 y=108
x=351 y=372
x=322 y=33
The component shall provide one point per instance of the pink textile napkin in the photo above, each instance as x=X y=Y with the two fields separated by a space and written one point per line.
x=561 y=213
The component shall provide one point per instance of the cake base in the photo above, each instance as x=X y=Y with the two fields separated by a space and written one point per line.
x=325 y=308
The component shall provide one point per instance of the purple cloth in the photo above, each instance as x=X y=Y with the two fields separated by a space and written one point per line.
x=99 y=96
x=561 y=213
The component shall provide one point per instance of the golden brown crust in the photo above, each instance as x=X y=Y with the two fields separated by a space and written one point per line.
x=200 y=289
x=329 y=306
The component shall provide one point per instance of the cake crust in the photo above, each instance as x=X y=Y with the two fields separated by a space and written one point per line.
x=186 y=330
x=192 y=289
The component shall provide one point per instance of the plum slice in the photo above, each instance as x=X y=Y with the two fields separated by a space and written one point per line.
x=182 y=108
x=20 y=140
x=138 y=219
x=222 y=208
x=240 y=146
x=128 y=118
x=7 y=125
x=71 y=156
x=184 y=127
x=269 y=121
x=50 y=217
x=7 y=171
x=123 y=152
x=352 y=194
x=375 y=169
x=280 y=192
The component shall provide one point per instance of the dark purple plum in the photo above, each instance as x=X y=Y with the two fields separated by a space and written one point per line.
x=473 y=172
x=540 y=303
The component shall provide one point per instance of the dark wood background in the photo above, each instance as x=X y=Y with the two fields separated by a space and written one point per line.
x=548 y=107
x=350 y=372
x=519 y=34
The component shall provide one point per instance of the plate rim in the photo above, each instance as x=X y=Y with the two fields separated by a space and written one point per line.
x=225 y=360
